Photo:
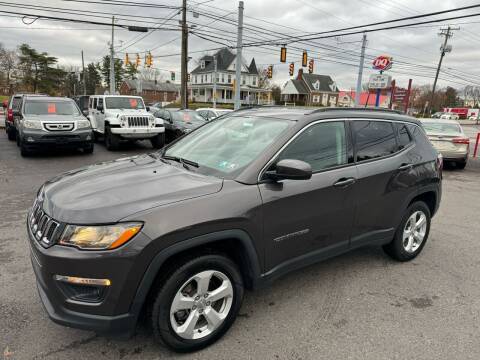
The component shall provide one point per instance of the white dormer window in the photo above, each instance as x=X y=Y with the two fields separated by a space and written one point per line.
x=202 y=64
x=333 y=86
x=316 y=85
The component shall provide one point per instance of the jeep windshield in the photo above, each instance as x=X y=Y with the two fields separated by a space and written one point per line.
x=224 y=147
x=51 y=107
x=124 y=102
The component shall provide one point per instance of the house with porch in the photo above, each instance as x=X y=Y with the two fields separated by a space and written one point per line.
x=202 y=80
x=311 y=89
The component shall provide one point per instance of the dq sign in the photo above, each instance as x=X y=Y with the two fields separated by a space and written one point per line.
x=382 y=63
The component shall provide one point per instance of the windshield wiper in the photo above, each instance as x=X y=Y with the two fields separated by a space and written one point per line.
x=182 y=161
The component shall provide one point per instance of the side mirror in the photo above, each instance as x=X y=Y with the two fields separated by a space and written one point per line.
x=290 y=169
x=5 y=104
x=147 y=108
x=85 y=113
x=100 y=108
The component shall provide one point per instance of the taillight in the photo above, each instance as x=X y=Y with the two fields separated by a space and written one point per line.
x=461 y=141
x=10 y=115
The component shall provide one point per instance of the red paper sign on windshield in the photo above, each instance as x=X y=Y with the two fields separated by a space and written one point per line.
x=51 y=108
x=133 y=103
x=186 y=117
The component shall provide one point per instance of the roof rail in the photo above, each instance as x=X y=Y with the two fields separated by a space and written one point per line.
x=357 y=109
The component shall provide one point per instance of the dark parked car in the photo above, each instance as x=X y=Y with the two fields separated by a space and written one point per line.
x=179 y=234
x=179 y=122
x=52 y=122
x=12 y=111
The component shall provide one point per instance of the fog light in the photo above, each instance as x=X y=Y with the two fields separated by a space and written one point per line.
x=30 y=139
x=83 y=281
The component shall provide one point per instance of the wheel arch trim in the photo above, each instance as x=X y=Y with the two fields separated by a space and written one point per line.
x=157 y=262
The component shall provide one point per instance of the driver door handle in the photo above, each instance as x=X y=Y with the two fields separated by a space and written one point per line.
x=405 y=167
x=344 y=182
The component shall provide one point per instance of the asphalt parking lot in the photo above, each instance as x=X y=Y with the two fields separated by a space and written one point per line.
x=361 y=305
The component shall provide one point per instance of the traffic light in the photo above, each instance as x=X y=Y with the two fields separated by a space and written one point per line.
x=283 y=54
x=310 y=66
x=172 y=75
x=291 y=68
x=138 y=61
x=304 y=58
x=148 y=60
x=270 y=71
x=127 y=60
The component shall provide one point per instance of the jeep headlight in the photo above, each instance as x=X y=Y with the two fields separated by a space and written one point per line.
x=104 y=237
x=123 y=121
x=32 y=124
x=83 y=124
x=151 y=121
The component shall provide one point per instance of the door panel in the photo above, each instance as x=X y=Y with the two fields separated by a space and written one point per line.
x=383 y=186
x=305 y=216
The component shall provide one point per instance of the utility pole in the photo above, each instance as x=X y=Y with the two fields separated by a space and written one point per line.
x=112 y=61
x=360 y=71
x=215 y=82
x=443 y=50
x=184 y=60
x=238 y=66
x=84 y=77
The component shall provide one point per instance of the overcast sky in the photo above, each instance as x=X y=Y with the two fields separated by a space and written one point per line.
x=408 y=47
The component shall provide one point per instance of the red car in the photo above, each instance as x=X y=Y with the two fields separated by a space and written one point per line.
x=12 y=107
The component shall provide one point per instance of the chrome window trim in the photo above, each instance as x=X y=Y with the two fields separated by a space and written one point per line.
x=267 y=165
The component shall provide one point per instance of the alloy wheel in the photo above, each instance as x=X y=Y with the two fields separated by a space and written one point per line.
x=414 y=231
x=201 y=305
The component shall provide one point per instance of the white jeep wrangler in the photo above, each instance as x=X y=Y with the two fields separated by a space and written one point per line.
x=120 y=117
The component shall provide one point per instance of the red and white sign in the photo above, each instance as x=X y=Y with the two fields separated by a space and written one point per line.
x=382 y=63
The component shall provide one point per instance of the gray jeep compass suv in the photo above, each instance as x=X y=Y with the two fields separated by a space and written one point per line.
x=179 y=234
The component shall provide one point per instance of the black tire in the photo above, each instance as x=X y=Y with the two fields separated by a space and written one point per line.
x=11 y=134
x=112 y=141
x=158 y=141
x=396 y=248
x=461 y=164
x=88 y=149
x=23 y=149
x=159 y=314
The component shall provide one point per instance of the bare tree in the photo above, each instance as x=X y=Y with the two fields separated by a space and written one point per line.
x=8 y=65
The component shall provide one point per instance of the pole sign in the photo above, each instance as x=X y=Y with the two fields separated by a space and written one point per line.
x=382 y=63
x=379 y=81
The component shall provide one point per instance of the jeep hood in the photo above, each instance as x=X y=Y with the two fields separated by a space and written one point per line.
x=110 y=191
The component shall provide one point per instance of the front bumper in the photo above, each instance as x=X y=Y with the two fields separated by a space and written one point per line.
x=137 y=133
x=39 y=138
x=112 y=315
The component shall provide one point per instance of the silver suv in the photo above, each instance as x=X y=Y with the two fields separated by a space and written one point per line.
x=52 y=122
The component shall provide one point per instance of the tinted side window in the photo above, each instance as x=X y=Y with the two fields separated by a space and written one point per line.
x=100 y=102
x=374 y=139
x=323 y=146
x=403 y=137
x=95 y=103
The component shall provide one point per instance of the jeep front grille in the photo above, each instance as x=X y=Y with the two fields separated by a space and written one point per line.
x=42 y=226
x=137 y=121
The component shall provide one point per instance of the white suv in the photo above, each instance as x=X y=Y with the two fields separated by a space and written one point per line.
x=120 y=117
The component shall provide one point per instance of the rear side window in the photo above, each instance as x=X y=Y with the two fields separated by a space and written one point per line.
x=100 y=102
x=374 y=139
x=95 y=103
x=403 y=136
x=16 y=103
x=323 y=146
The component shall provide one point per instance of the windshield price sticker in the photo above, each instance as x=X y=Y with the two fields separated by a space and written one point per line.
x=133 y=103
x=51 y=108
